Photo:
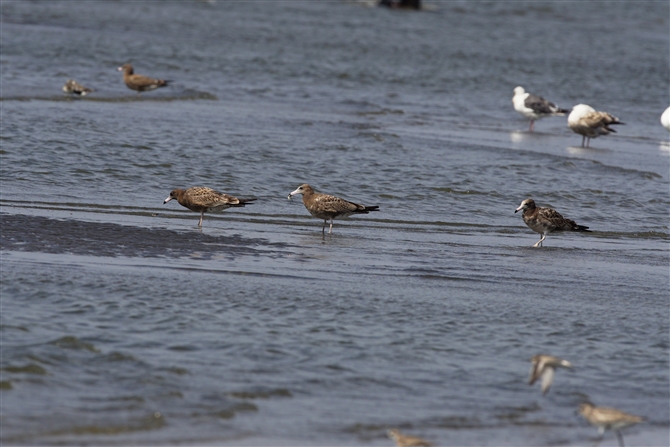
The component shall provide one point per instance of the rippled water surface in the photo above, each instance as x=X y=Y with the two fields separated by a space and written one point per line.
x=122 y=323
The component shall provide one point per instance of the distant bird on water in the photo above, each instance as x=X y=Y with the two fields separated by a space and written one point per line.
x=544 y=367
x=534 y=107
x=589 y=123
x=401 y=4
x=665 y=119
x=407 y=441
x=608 y=418
x=324 y=206
x=202 y=199
x=545 y=220
x=139 y=82
x=75 y=88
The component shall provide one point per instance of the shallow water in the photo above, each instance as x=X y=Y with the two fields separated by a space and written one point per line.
x=123 y=323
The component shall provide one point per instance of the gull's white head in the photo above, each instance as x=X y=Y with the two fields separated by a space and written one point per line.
x=528 y=203
x=302 y=189
x=579 y=111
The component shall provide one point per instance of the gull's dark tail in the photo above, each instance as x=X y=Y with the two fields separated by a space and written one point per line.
x=244 y=202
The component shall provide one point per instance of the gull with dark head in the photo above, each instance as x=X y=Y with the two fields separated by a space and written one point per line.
x=327 y=207
x=202 y=199
x=534 y=107
x=407 y=441
x=589 y=123
x=544 y=367
x=606 y=418
x=139 y=82
x=545 y=220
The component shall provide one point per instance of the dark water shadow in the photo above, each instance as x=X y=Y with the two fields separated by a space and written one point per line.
x=41 y=234
x=115 y=97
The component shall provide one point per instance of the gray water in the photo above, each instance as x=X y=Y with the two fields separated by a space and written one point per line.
x=124 y=324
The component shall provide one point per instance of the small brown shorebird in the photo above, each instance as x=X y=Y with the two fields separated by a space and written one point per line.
x=544 y=367
x=139 y=82
x=534 y=107
x=589 y=123
x=546 y=220
x=75 y=88
x=327 y=207
x=407 y=441
x=202 y=199
x=608 y=418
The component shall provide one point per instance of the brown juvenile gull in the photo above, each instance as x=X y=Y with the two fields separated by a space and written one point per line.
x=546 y=220
x=543 y=366
x=608 y=418
x=588 y=123
x=75 y=88
x=139 y=82
x=407 y=441
x=201 y=199
x=326 y=207
x=534 y=107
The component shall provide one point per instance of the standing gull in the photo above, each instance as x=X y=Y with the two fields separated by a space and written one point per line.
x=407 y=441
x=608 y=418
x=534 y=107
x=327 y=207
x=139 y=82
x=588 y=123
x=543 y=366
x=545 y=220
x=202 y=199
x=75 y=88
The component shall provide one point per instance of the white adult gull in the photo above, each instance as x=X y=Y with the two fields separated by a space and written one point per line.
x=534 y=107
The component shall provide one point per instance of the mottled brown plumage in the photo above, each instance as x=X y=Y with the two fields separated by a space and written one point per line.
x=327 y=207
x=606 y=418
x=202 y=199
x=75 y=88
x=139 y=82
x=545 y=220
x=407 y=441
x=543 y=366
x=589 y=123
